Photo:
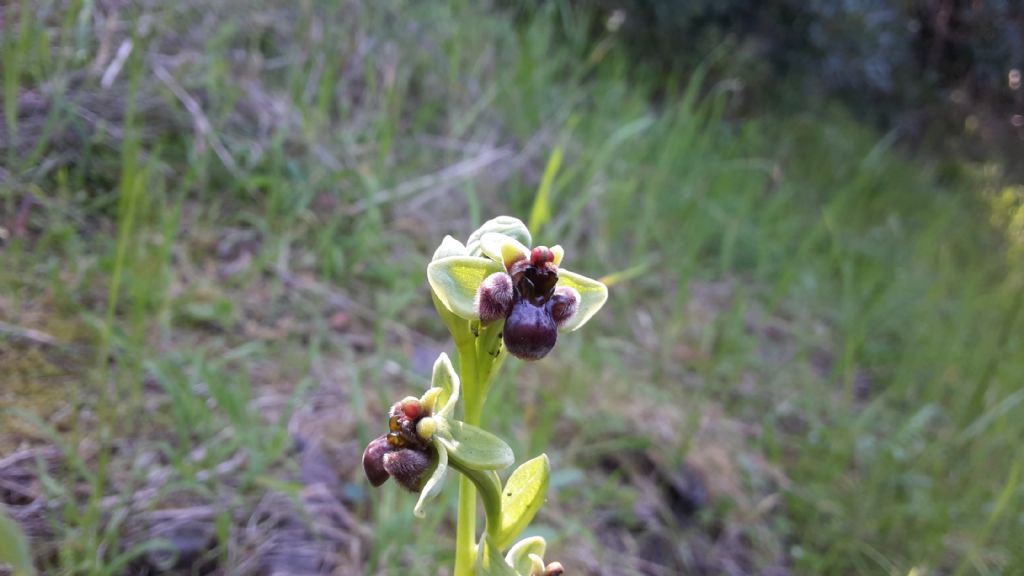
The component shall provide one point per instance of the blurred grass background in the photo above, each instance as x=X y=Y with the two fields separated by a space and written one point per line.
x=216 y=219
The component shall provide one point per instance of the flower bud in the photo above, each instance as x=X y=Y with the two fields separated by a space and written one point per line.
x=408 y=466
x=494 y=297
x=373 y=460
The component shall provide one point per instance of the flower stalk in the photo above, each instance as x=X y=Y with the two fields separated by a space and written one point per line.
x=497 y=297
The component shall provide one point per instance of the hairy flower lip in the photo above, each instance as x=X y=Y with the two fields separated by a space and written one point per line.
x=408 y=467
x=530 y=331
x=373 y=460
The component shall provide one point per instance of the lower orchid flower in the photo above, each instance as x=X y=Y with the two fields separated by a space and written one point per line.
x=424 y=438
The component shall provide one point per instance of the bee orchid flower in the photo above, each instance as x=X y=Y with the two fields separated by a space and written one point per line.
x=496 y=277
x=424 y=437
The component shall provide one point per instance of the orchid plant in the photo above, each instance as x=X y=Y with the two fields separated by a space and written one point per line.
x=498 y=297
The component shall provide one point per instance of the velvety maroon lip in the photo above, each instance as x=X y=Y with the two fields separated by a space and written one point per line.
x=530 y=331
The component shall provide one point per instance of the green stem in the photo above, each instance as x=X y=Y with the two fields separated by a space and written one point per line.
x=465 y=534
x=489 y=485
x=478 y=360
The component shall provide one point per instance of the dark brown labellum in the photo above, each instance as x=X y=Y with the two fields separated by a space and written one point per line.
x=530 y=331
x=373 y=460
x=409 y=467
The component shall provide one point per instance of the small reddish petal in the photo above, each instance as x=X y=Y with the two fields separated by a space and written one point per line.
x=494 y=297
x=411 y=408
x=408 y=467
x=373 y=460
x=564 y=304
x=540 y=255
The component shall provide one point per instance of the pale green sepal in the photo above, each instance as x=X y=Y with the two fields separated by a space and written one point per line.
x=522 y=497
x=507 y=225
x=457 y=326
x=455 y=280
x=502 y=248
x=435 y=483
x=475 y=448
x=447 y=380
x=489 y=561
x=593 y=295
x=449 y=247
x=14 y=549
x=527 y=556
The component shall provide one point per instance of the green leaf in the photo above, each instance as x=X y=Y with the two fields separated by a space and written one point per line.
x=447 y=380
x=449 y=247
x=14 y=548
x=475 y=448
x=434 y=484
x=593 y=295
x=522 y=497
x=455 y=280
x=507 y=225
x=490 y=563
x=527 y=556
